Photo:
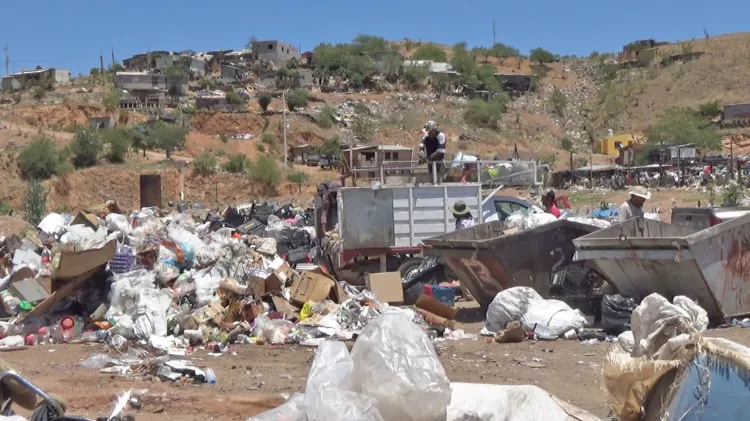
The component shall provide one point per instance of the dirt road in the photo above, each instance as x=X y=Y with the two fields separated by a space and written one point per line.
x=252 y=378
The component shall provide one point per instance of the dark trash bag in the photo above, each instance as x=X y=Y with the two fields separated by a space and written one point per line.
x=616 y=313
x=262 y=212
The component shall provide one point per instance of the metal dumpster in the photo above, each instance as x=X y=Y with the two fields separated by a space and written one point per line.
x=642 y=256
x=487 y=262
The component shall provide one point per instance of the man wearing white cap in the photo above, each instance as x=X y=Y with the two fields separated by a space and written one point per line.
x=432 y=147
x=633 y=207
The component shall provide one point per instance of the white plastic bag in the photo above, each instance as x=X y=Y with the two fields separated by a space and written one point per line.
x=509 y=305
x=656 y=320
x=626 y=341
x=118 y=223
x=491 y=402
x=291 y=410
x=527 y=306
x=395 y=363
x=555 y=316
x=276 y=332
x=328 y=396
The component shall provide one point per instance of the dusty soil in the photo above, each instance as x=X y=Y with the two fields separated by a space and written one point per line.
x=252 y=378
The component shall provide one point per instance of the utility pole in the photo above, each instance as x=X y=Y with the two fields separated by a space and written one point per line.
x=113 y=56
x=7 y=59
x=283 y=101
x=493 y=32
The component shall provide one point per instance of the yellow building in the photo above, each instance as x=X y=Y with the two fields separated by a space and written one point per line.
x=613 y=144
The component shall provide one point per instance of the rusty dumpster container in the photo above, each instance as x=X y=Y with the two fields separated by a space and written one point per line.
x=487 y=261
x=641 y=257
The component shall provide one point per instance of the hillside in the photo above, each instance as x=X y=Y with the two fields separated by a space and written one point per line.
x=577 y=98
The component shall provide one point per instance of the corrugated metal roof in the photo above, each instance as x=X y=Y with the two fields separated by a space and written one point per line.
x=380 y=148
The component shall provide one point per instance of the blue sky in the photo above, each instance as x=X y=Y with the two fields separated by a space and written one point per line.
x=72 y=33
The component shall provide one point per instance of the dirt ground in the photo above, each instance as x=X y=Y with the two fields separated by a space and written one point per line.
x=255 y=378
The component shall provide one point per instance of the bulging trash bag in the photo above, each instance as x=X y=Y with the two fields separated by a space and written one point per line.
x=329 y=395
x=395 y=363
x=527 y=306
x=509 y=305
x=616 y=313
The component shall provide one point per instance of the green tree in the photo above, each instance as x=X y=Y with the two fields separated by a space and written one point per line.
x=205 y=164
x=559 y=102
x=297 y=99
x=237 y=163
x=414 y=76
x=40 y=160
x=504 y=52
x=94 y=72
x=117 y=67
x=487 y=114
x=462 y=60
x=168 y=138
x=566 y=144
x=141 y=139
x=440 y=83
x=235 y=98
x=684 y=126
x=264 y=100
x=370 y=44
x=710 y=109
x=287 y=78
x=111 y=101
x=175 y=71
x=38 y=93
x=117 y=143
x=483 y=78
x=265 y=170
x=326 y=118
x=392 y=65
x=268 y=138
x=331 y=147
x=541 y=56
x=85 y=147
x=299 y=178
x=363 y=129
x=356 y=81
x=430 y=51
x=36 y=202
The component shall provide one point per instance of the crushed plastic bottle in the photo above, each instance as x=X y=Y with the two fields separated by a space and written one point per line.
x=543 y=333
x=210 y=376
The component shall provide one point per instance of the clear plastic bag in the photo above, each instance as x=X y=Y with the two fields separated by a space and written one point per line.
x=276 y=332
x=328 y=396
x=509 y=305
x=395 y=363
x=291 y=410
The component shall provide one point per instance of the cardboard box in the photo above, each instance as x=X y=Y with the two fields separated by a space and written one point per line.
x=316 y=286
x=434 y=306
x=386 y=286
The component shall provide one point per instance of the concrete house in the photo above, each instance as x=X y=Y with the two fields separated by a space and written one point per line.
x=102 y=123
x=274 y=50
x=26 y=78
x=138 y=81
x=162 y=62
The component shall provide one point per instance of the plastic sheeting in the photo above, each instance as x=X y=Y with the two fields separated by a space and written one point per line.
x=527 y=306
x=139 y=305
x=490 y=402
x=656 y=320
x=291 y=410
x=395 y=363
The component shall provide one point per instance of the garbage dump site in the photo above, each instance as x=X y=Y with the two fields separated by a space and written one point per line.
x=161 y=297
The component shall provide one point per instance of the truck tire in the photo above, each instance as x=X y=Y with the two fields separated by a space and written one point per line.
x=409 y=266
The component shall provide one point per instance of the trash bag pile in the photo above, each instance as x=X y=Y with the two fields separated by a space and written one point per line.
x=173 y=280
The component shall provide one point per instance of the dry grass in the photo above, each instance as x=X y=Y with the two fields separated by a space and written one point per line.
x=721 y=74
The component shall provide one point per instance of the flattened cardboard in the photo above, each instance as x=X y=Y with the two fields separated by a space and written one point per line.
x=316 y=286
x=386 y=286
x=87 y=219
x=434 y=306
x=283 y=307
x=71 y=270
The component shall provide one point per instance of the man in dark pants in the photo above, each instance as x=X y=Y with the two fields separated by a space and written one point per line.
x=432 y=148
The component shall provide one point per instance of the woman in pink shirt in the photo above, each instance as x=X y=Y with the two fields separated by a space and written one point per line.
x=548 y=200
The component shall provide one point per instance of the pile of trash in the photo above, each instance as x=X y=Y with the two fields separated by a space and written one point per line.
x=173 y=281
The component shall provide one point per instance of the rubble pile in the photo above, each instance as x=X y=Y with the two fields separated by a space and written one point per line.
x=172 y=281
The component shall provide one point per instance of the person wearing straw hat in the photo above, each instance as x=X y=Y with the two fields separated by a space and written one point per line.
x=633 y=207
x=463 y=216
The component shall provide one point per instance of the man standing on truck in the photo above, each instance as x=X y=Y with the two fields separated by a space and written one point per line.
x=633 y=207
x=329 y=196
x=432 y=148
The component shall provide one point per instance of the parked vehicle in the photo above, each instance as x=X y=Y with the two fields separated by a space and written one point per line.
x=499 y=208
x=326 y=161
x=312 y=160
x=702 y=218
x=716 y=159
